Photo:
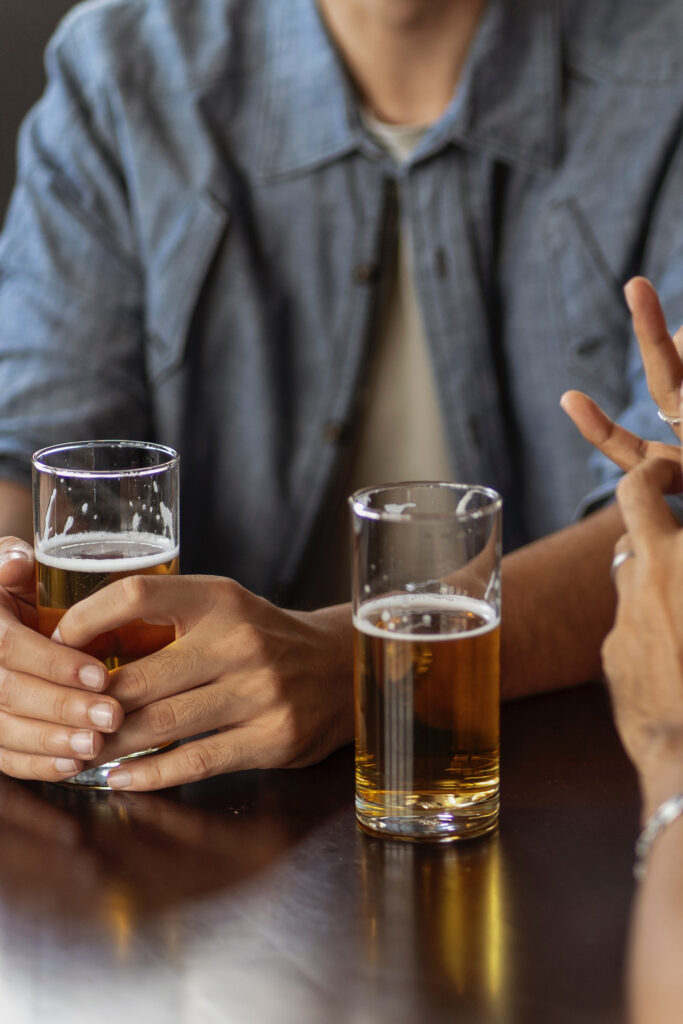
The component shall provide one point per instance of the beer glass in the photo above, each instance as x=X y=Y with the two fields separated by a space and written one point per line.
x=426 y=614
x=103 y=510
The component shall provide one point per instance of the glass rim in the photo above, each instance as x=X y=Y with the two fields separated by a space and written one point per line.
x=361 y=509
x=172 y=459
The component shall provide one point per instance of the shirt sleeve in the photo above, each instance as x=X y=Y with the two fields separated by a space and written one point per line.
x=71 y=292
x=662 y=263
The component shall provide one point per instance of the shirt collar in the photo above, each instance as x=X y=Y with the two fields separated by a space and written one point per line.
x=507 y=104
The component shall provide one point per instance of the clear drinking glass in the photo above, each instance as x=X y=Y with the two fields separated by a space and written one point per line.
x=426 y=613
x=103 y=510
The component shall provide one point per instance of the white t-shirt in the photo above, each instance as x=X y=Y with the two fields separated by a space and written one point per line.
x=402 y=435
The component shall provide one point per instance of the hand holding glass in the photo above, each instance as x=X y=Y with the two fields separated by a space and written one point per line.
x=104 y=510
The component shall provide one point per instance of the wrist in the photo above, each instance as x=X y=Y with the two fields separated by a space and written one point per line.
x=660 y=780
x=667 y=817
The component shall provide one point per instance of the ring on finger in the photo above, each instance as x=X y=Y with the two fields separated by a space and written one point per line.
x=618 y=560
x=673 y=421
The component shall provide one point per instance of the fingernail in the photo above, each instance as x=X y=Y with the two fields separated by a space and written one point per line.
x=57 y=636
x=627 y=296
x=65 y=767
x=82 y=743
x=101 y=715
x=93 y=677
x=119 y=779
x=14 y=555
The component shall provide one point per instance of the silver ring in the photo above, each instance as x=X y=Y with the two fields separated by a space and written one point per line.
x=618 y=560
x=673 y=421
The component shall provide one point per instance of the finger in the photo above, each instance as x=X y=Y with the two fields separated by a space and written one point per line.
x=625 y=449
x=29 y=697
x=641 y=499
x=149 y=598
x=239 y=750
x=17 y=565
x=180 y=666
x=623 y=554
x=201 y=709
x=624 y=543
x=29 y=736
x=187 y=664
x=658 y=351
x=24 y=650
x=37 y=766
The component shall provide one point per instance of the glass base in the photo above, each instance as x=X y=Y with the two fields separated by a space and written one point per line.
x=438 y=825
x=96 y=778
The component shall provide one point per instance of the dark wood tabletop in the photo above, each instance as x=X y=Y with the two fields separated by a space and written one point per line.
x=254 y=898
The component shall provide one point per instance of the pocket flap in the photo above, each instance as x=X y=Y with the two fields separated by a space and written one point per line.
x=176 y=275
x=593 y=320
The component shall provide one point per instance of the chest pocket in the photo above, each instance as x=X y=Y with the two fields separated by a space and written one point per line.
x=176 y=274
x=593 y=322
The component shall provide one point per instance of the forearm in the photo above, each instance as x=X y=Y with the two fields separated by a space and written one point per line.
x=16 y=515
x=558 y=604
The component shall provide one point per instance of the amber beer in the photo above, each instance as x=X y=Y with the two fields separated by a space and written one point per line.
x=72 y=568
x=427 y=714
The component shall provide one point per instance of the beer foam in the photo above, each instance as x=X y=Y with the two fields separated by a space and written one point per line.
x=91 y=552
x=415 y=607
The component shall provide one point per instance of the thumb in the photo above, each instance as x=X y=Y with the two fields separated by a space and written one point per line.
x=16 y=563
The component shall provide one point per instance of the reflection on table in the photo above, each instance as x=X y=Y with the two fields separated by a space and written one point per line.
x=254 y=897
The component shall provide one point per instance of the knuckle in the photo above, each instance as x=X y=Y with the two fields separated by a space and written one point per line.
x=48 y=741
x=138 y=685
x=71 y=623
x=57 y=664
x=286 y=727
x=234 y=595
x=199 y=762
x=162 y=718
x=7 y=639
x=151 y=775
x=270 y=692
x=15 y=765
x=61 y=705
x=135 y=589
x=252 y=641
x=625 y=485
x=5 y=688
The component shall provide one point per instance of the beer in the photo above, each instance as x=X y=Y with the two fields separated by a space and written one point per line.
x=71 y=568
x=427 y=715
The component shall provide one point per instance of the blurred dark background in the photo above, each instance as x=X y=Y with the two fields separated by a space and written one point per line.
x=25 y=27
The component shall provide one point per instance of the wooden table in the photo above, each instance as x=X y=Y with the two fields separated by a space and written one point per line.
x=253 y=898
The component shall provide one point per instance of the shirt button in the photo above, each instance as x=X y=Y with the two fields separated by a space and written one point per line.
x=441 y=262
x=366 y=273
x=473 y=430
x=335 y=431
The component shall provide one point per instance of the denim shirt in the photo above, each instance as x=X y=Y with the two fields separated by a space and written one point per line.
x=197 y=240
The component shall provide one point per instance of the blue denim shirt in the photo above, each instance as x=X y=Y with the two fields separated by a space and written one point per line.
x=200 y=226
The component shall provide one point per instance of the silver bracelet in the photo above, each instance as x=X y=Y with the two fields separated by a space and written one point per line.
x=665 y=814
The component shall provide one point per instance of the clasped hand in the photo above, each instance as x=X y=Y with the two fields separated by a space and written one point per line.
x=270 y=687
x=643 y=653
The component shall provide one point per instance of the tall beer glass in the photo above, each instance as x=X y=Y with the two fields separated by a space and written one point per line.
x=103 y=510
x=426 y=612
